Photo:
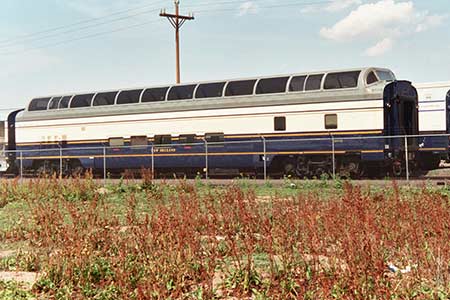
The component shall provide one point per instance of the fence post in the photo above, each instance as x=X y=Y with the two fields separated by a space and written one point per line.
x=60 y=164
x=333 y=156
x=406 y=158
x=264 y=157
x=104 y=164
x=21 y=165
x=206 y=158
x=153 y=163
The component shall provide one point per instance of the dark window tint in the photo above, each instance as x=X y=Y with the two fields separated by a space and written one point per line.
x=127 y=97
x=162 y=139
x=187 y=138
x=64 y=103
x=342 y=80
x=210 y=90
x=240 y=88
x=139 y=141
x=272 y=85
x=181 y=92
x=297 y=83
x=371 y=78
x=155 y=94
x=81 y=100
x=38 y=104
x=280 y=123
x=54 y=103
x=217 y=137
x=116 y=142
x=331 y=121
x=105 y=99
x=313 y=82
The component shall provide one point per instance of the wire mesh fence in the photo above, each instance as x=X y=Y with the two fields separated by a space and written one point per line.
x=309 y=156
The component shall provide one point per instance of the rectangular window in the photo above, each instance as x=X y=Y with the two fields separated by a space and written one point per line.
x=272 y=85
x=187 y=138
x=116 y=142
x=139 y=140
x=297 y=84
x=313 y=82
x=163 y=139
x=217 y=137
x=331 y=121
x=154 y=94
x=240 y=88
x=280 y=123
x=342 y=80
x=209 y=90
x=181 y=92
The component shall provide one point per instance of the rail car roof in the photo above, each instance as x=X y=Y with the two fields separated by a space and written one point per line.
x=431 y=85
x=309 y=87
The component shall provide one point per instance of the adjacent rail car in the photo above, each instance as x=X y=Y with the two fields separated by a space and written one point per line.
x=294 y=124
x=434 y=109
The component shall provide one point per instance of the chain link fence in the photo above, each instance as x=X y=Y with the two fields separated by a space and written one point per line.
x=328 y=155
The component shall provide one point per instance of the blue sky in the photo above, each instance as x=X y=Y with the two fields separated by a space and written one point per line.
x=228 y=39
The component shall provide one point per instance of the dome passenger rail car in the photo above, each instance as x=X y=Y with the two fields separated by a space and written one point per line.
x=297 y=115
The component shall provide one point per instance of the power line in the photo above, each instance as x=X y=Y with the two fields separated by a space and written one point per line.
x=78 y=23
x=56 y=31
x=31 y=39
x=67 y=41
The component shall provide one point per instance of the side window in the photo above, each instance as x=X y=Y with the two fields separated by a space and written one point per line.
x=371 y=78
x=240 y=88
x=313 y=82
x=272 y=85
x=139 y=141
x=331 y=121
x=280 y=123
x=181 y=92
x=154 y=94
x=107 y=98
x=54 y=103
x=116 y=142
x=187 y=138
x=128 y=97
x=64 y=103
x=2 y=129
x=217 y=137
x=163 y=139
x=297 y=83
x=38 y=104
x=81 y=101
x=210 y=90
x=342 y=80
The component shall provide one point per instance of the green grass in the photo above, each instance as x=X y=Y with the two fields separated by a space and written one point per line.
x=139 y=240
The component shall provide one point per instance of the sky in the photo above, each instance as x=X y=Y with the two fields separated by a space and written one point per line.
x=52 y=47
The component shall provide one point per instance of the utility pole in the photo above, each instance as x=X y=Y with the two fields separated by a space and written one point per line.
x=177 y=22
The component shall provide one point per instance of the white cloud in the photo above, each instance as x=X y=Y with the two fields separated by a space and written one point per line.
x=430 y=21
x=381 y=22
x=380 y=48
x=371 y=19
x=334 y=6
x=248 y=7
